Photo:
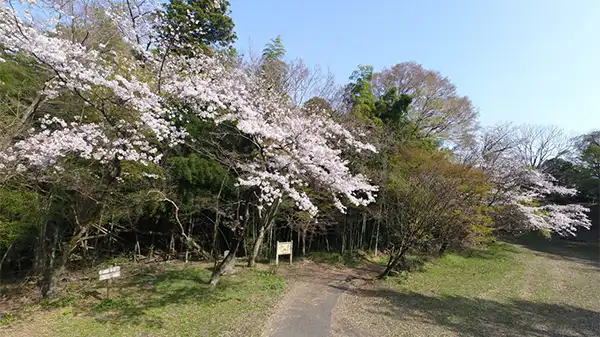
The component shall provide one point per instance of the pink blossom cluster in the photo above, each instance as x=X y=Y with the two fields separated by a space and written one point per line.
x=297 y=149
x=562 y=219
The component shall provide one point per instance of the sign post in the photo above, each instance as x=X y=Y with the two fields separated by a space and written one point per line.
x=109 y=274
x=283 y=248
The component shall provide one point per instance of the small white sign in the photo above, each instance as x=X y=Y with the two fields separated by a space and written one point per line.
x=109 y=273
x=283 y=248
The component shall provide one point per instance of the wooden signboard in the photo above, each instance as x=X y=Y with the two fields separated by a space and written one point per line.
x=106 y=274
x=283 y=248
x=109 y=274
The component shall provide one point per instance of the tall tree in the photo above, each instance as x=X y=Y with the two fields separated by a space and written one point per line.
x=513 y=164
x=135 y=119
x=437 y=108
x=360 y=94
x=431 y=200
x=274 y=69
x=535 y=144
x=189 y=26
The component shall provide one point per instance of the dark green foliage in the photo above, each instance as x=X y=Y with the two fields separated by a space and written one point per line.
x=349 y=259
x=584 y=174
x=361 y=94
x=197 y=25
x=392 y=107
x=18 y=75
x=20 y=79
x=566 y=172
x=274 y=50
x=21 y=212
x=195 y=173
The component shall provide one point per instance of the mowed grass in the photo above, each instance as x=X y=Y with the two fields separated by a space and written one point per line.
x=550 y=288
x=476 y=272
x=170 y=300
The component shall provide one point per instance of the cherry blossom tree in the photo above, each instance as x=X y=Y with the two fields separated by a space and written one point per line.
x=523 y=191
x=561 y=219
x=130 y=112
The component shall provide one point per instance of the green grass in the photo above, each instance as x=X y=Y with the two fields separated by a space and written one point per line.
x=8 y=318
x=461 y=274
x=173 y=300
x=535 y=288
x=355 y=259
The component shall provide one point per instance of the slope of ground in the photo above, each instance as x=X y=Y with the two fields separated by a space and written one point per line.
x=164 y=300
x=534 y=288
x=548 y=289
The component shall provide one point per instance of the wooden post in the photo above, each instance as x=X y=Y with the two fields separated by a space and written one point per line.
x=108 y=288
x=109 y=274
x=291 y=255
x=277 y=253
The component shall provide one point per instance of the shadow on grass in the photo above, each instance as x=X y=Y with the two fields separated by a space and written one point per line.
x=134 y=301
x=587 y=253
x=493 y=251
x=480 y=317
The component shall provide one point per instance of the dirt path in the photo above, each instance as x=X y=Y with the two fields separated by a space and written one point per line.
x=307 y=308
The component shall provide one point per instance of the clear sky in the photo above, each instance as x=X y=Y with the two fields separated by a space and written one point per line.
x=526 y=61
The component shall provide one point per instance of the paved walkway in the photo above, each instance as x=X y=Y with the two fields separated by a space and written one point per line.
x=305 y=312
x=307 y=308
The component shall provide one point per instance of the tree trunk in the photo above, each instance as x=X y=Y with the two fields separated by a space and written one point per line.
x=363 y=232
x=377 y=236
x=304 y=241
x=344 y=234
x=55 y=267
x=264 y=227
x=270 y=241
x=171 y=247
x=48 y=281
x=256 y=246
x=228 y=262
x=298 y=240
x=443 y=248
x=226 y=265
x=4 y=258
x=393 y=262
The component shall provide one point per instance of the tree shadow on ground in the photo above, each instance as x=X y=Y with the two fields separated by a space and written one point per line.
x=481 y=317
x=491 y=251
x=134 y=300
x=587 y=253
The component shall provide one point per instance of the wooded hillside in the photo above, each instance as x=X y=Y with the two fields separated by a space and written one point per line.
x=129 y=130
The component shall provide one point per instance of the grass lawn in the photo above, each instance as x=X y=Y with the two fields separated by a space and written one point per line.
x=164 y=300
x=530 y=288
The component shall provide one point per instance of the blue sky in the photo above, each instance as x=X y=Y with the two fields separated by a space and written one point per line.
x=526 y=61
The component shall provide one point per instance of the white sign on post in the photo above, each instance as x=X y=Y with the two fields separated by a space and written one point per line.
x=283 y=248
x=106 y=274
x=109 y=274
